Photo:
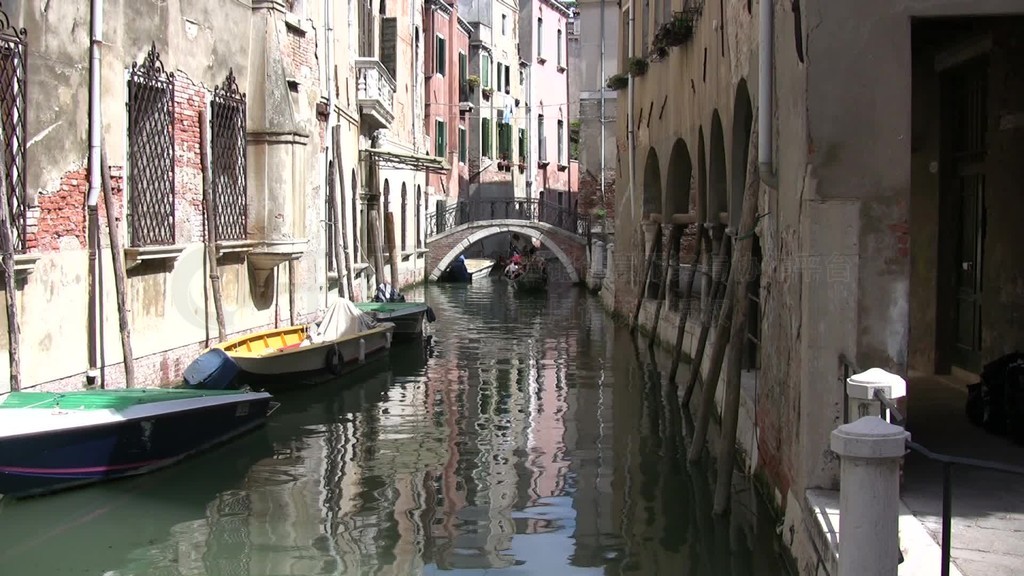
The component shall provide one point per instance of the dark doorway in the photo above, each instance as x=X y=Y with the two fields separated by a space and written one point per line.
x=965 y=111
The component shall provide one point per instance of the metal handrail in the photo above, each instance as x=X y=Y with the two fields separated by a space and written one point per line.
x=948 y=461
x=526 y=209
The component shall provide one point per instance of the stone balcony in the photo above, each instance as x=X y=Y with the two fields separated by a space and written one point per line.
x=375 y=93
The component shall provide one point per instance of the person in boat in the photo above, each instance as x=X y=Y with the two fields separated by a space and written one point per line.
x=514 y=268
x=515 y=247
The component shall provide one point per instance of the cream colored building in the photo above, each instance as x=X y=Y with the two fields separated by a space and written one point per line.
x=259 y=76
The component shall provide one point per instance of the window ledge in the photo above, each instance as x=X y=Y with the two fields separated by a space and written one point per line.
x=541 y=59
x=295 y=24
x=235 y=246
x=543 y=163
x=561 y=68
x=25 y=264
x=562 y=167
x=136 y=256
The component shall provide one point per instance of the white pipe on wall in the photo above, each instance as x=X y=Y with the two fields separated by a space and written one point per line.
x=95 y=115
x=766 y=89
x=93 y=341
x=629 y=116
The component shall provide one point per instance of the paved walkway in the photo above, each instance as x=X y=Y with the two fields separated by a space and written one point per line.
x=988 y=507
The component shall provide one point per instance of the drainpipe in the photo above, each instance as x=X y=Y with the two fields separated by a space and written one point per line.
x=95 y=182
x=766 y=89
x=630 y=133
x=329 y=143
x=604 y=218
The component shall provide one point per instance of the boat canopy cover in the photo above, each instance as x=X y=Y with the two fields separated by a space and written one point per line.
x=342 y=319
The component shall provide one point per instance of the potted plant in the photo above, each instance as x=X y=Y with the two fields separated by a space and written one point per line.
x=473 y=81
x=674 y=32
x=487 y=92
x=617 y=81
x=637 y=66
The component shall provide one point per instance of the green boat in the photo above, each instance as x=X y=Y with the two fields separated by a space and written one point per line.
x=55 y=440
x=408 y=317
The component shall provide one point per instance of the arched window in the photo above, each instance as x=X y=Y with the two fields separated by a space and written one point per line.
x=405 y=212
x=356 y=219
x=419 y=217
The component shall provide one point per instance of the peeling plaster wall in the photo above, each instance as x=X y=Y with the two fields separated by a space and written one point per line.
x=168 y=313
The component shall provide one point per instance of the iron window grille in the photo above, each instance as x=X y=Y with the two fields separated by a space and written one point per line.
x=150 y=153
x=230 y=198
x=12 y=128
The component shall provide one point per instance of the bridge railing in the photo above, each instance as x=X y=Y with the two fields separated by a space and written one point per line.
x=526 y=209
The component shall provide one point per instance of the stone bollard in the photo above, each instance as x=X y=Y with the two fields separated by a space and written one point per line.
x=598 y=264
x=870 y=451
x=861 y=390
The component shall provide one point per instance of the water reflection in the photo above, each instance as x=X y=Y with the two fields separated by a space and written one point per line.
x=529 y=437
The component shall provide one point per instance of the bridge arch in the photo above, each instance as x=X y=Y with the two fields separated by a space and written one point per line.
x=507 y=228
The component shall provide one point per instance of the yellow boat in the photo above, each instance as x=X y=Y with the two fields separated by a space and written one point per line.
x=343 y=340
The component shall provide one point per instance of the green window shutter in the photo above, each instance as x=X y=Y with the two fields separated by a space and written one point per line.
x=485 y=140
x=462 y=145
x=522 y=144
x=463 y=66
x=485 y=71
x=439 y=137
x=440 y=58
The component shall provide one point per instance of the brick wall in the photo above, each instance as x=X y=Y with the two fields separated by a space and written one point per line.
x=590 y=192
x=58 y=219
x=189 y=100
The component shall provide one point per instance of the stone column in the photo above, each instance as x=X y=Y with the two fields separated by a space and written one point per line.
x=870 y=450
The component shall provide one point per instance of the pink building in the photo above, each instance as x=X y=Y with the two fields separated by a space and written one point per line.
x=446 y=65
x=543 y=44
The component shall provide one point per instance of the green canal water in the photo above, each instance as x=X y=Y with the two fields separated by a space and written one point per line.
x=530 y=436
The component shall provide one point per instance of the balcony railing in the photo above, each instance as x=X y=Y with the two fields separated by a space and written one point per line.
x=529 y=209
x=375 y=92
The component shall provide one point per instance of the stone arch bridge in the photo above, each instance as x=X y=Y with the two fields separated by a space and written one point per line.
x=454 y=228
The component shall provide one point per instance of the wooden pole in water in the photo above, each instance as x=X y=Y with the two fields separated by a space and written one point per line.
x=119 y=272
x=707 y=405
x=341 y=214
x=210 y=208
x=655 y=245
x=663 y=286
x=13 y=328
x=741 y=282
x=684 y=317
x=707 y=319
x=389 y=229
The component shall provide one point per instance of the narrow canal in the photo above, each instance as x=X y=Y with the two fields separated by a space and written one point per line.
x=529 y=437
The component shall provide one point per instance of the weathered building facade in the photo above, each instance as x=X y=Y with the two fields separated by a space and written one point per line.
x=495 y=158
x=447 y=97
x=594 y=55
x=263 y=84
x=543 y=43
x=878 y=154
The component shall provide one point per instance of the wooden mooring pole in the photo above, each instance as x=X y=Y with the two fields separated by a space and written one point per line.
x=741 y=279
x=117 y=255
x=684 y=316
x=655 y=246
x=340 y=217
x=673 y=238
x=13 y=328
x=707 y=405
x=707 y=320
x=210 y=207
